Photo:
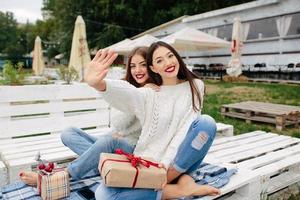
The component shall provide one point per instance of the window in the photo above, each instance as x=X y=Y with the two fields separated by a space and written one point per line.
x=264 y=28
x=295 y=25
x=225 y=32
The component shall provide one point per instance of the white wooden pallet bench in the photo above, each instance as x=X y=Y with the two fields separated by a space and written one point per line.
x=274 y=158
x=3 y=174
x=224 y=130
x=45 y=109
x=34 y=109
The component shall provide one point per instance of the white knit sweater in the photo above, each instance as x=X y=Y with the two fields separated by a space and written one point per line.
x=165 y=116
x=127 y=125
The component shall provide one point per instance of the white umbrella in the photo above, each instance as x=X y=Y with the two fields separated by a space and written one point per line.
x=189 y=39
x=235 y=64
x=38 y=61
x=119 y=44
x=126 y=48
x=80 y=56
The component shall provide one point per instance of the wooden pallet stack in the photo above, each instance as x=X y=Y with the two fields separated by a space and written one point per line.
x=274 y=158
x=278 y=114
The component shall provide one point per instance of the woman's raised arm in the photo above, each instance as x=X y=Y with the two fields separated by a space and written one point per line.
x=98 y=68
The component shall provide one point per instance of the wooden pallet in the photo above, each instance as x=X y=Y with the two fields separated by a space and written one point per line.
x=274 y=158
x=224 y=130
x=278 y=114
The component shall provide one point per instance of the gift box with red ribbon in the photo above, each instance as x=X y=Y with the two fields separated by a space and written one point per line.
x=126 y=170
x=53 y=183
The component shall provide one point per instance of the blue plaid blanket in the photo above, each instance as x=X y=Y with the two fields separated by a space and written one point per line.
x=19 y=190
x=206 y=174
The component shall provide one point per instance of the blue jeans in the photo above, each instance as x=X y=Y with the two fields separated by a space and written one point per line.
x=89 y=149
x=189 y=156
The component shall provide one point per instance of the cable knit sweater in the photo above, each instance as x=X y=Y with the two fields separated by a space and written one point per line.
x=165 y=116
x=127 y=125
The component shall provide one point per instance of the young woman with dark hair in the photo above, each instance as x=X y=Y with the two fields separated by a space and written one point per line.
x=173 y=133
x=124 y=132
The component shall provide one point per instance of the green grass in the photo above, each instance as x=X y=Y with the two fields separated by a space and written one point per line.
x=219 y=93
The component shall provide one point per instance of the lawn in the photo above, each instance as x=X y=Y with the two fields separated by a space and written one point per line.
x=219 y=93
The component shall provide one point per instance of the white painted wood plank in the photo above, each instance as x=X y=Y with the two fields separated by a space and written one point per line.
x=53 y=107
x=56 y=139
x=219 y=141
x=33 y=153
x=224 y=130
x=50 y=157
x=9 y=142
x=269 y=158
x=248 y=146
x=242 y=141
x=3 y=174
x=46 y=92
x=53 y=124
x=280 y=182
x=276 y=167
x=31 y=150
x=257 y=151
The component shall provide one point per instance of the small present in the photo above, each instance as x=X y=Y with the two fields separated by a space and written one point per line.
x=52 y=183
x=126 y=170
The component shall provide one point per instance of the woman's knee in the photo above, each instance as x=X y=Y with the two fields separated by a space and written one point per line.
x=206 y=124
x=68 y=134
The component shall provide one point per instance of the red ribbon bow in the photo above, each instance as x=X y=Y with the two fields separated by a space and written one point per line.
x=135 y=162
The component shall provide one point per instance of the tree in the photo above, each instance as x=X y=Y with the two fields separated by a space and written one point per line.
x=10 y=42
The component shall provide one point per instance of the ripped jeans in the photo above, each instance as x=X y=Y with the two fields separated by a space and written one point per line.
x=189 y=156
x=196 y=144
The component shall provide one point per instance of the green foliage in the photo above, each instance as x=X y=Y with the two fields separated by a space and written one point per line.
x=12 y=75
x=67 y=74
x=9 y=35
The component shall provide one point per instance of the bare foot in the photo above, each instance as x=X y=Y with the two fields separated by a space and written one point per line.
x=190 y=188
x=29 y=178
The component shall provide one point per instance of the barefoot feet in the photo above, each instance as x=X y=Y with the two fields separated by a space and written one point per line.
x=29 y=178
x=190 y=188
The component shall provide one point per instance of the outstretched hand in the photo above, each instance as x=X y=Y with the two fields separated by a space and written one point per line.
x=98 y=68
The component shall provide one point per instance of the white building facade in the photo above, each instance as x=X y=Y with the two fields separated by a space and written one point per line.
x=271 y=34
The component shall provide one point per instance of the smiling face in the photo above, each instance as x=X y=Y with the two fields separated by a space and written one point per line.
x=166 y=65
x=138 y=69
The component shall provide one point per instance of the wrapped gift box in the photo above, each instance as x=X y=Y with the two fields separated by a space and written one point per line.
x=120 y=171
x=54 y=185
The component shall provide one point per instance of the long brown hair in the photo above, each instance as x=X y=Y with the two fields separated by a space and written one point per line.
x=183 y=73
x=142 y=51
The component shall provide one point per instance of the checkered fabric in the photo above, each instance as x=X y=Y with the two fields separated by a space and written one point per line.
x=19 y=190
x=54 y=186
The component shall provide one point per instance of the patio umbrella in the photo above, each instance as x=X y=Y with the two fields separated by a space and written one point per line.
x=189 y=39
x=235 y=64
x=127 y=47
x=80 y=56
x=38 y=61
x=119 y=44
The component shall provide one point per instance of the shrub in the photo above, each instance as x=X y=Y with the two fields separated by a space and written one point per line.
x=13 y=74
x=67 y=74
